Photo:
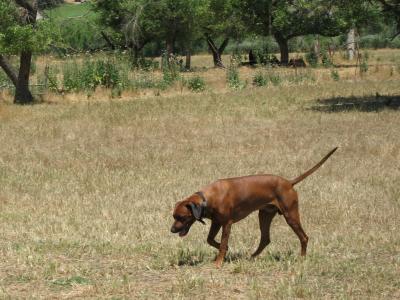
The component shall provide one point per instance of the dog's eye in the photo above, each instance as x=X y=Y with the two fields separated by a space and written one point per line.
x=179 y=219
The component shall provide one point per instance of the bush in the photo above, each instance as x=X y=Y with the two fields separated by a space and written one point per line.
x=232 y=78
x=335 y=75
x=170 y=69
x=196 y=84
x=256 y=43
x=373 y=41
x=326 y=60
x=312 y=58
x=260 y=79
x=91 y=75
x=80 y=36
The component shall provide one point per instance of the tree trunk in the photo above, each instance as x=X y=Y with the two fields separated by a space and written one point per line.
x=283 y=47
x=351 y=44
x=217 y=52
x=170 y=50
x=8 y=69
x=188 y=59
x=317 y=48
x=22 y=93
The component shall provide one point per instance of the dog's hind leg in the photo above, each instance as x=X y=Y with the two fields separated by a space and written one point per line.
x=265 y=218
x=290 y=209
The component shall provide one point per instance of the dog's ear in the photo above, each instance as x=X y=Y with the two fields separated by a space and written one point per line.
x=197 y=211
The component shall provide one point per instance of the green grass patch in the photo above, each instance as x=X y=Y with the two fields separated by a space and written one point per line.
x=66 y=11
x=70 y=281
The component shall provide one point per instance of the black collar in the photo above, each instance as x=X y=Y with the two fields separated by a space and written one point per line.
x=203 y=204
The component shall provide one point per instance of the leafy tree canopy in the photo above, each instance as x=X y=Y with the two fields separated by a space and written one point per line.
x=18 y=34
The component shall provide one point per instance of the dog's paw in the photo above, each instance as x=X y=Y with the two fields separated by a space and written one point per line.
x=218 y=264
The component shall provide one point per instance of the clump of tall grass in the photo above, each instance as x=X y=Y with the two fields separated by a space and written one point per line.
x=232 y=76
x=142 y=80
x=312 y=58
x=170 y=69
x=260 y=79
x=335 y=75
x=364 y=63
x=300 y=77
x=196 y=84
x=275 y=79
x=326 y=59
x=92 y=74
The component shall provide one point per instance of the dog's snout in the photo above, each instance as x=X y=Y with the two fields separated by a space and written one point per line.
x=173 y=229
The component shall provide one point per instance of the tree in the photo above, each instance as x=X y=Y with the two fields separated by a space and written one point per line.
x=286 y=19
x=392 y=9
x=220 y=19
x=138 y=22
x=16 y=32
x=20 y=35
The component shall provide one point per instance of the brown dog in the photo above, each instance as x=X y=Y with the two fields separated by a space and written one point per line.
x=227 y=201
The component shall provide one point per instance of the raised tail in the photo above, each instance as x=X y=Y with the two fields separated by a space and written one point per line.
x=313 y=169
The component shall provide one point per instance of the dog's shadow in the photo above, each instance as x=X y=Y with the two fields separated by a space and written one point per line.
x=235 y=256
x=275 y=256
x=188 y=257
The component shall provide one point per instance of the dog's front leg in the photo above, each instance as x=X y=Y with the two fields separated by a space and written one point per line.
x=226 y=230
x=214 y=229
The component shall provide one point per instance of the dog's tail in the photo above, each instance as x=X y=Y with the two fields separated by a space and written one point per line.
x=313 y=169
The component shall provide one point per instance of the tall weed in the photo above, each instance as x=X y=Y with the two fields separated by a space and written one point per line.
x=92 y=74
x=232 y=76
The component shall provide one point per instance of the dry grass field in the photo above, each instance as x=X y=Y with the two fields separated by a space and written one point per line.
x=87 y=191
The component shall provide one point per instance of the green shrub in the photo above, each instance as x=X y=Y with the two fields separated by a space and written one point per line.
x=71 y=77
x=170 y=69
x=260 y=79
x=326 y=60
x=232 y=76
x=91 y=75
x=312 y=59
x=335 y=75
x=196 y=84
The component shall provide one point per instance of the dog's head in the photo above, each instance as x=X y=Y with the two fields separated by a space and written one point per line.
x=186 y=212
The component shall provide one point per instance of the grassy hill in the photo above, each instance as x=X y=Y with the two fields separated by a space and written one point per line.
x=69 y=10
